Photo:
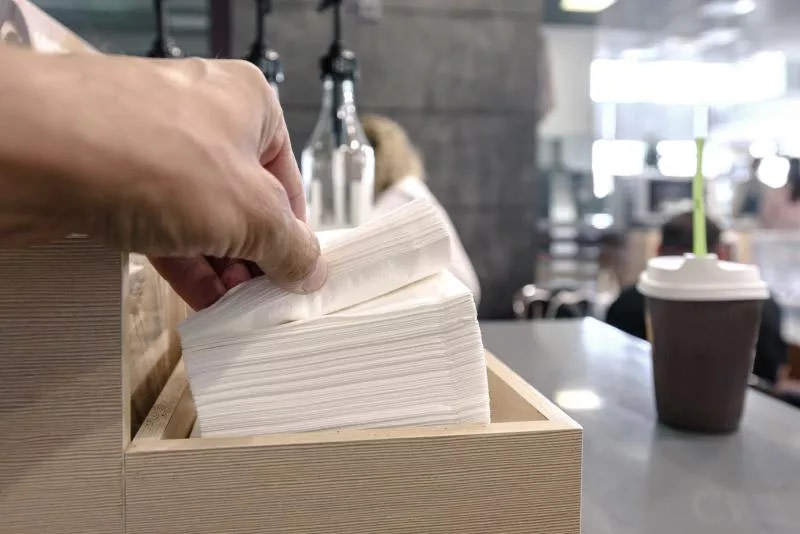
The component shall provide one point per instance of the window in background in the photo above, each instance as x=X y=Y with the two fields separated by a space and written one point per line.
x=127 y=26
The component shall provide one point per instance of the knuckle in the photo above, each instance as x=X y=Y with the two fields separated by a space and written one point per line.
x=244 y=68
x=197 y=64
x=252 y=76
x=260 y=95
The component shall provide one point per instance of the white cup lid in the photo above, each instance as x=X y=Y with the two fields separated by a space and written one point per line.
x=690 y=277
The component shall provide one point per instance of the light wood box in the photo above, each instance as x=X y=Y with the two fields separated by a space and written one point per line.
x=520 y=474
x=94 y=414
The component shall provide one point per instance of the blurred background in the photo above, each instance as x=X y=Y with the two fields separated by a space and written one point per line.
x=557 y=134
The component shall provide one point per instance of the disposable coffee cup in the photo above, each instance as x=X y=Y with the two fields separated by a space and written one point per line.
x=702 y=321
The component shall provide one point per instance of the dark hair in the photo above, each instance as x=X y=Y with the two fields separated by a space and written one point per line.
x=794 y=178
x=676 y=234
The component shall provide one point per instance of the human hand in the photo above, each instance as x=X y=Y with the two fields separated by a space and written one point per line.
x=268 y=190
x=186 y=161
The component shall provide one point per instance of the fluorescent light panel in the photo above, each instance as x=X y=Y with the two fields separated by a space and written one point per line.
x=773 y=171
x=586 y=6
x=678 y=159
x=727 y=8
x=756 y=78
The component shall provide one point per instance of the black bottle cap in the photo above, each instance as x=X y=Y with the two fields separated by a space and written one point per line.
x=267 y=60
x=339 y=63
x=261 y=55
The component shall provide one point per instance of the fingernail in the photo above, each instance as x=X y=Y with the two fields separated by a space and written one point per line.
x=317 y=278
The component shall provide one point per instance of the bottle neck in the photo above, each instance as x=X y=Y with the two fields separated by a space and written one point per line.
x=336 y=94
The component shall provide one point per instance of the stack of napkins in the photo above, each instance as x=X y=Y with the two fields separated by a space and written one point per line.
x=391 y=340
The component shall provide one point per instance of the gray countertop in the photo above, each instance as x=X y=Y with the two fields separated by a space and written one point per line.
x=640 y=477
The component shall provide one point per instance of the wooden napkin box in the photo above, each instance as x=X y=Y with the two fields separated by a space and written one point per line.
x=522 y=473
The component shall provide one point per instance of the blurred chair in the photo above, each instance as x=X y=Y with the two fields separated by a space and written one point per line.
x=566 y=303
x=530 y=302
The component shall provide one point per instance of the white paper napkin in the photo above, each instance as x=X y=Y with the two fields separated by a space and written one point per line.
x=385 y=254
x=392 y=339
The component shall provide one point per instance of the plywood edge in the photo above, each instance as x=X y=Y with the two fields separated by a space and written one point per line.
x=150 y=373
x=173 y=414
x=144 y=364
x=506 y=405
x=528 y=392
x=344 y=436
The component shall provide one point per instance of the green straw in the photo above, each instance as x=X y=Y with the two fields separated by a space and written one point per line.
x=699 y=207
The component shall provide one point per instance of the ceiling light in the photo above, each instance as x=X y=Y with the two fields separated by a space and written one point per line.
x=773 y=171
x=601 y=221
x=727 y=8
x=586 y=6
x=718 y=37
x=678 y=159
x=763 y=148
x=618 y=157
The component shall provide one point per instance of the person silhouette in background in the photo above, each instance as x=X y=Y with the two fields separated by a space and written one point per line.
x=748 y=195
x=400 y=178
x=780 y=208
x=628 y=311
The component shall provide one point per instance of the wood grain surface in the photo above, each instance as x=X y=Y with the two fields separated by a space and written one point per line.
x=173 y=414
x=509 y=481
x=152 y=312
x=62 y=427
x=513 y=476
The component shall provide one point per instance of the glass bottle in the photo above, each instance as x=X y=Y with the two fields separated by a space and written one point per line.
x=338 y=163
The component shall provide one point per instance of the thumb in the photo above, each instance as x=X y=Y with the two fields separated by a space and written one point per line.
x=290 y=254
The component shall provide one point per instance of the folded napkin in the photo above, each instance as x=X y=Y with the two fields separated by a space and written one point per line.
x=413 y=357
x=391 y=340
x=405 y=245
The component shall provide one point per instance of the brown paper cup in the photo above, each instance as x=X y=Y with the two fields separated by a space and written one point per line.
x=702 y=356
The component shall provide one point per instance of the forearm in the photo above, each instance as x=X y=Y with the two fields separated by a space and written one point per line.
x=36 y=188
x=62 y=144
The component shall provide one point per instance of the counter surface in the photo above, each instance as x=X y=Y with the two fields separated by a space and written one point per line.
x=640 y=477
